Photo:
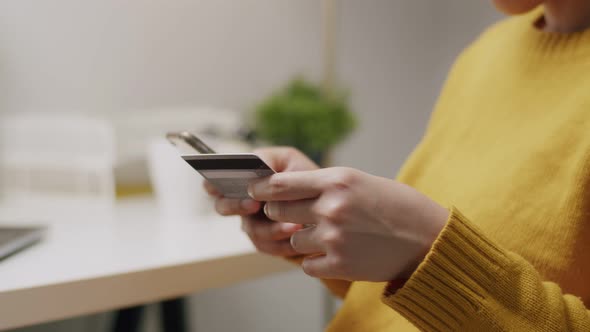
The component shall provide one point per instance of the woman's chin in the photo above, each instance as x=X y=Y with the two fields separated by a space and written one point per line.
x=516 y=7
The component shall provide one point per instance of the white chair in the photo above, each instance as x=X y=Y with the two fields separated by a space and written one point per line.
x=56 y=161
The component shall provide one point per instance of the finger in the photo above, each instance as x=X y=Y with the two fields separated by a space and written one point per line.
x=305 y=241
x=287 y=186
x=275 y=157
x=285 y=159
x=277 y=248
x=319 y=266
x=298 y=212
x=265 y=230
x=232 y=206
x=210 y=189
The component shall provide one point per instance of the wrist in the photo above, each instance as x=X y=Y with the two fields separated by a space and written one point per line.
x=430 y=224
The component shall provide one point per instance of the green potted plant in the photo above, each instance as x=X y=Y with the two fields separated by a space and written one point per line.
x=304 y=116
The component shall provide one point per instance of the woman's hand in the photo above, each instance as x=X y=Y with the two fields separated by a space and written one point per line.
x=268 y=236
x=363 y=227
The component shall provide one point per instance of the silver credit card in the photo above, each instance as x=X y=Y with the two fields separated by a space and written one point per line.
x=229 y=173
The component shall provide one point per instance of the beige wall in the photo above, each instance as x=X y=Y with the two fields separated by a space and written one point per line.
x=108 y=56
x=395 y=55
x=116 y=55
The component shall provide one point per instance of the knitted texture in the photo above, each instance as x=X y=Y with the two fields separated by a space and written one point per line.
x=509 y=146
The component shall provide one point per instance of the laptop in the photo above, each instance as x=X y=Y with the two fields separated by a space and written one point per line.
x=15 y=239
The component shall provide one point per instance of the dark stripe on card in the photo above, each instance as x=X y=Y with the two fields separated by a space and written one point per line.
x=211 y=164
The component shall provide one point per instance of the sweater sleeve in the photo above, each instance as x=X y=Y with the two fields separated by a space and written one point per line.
x=469 y=283
x=337 y=287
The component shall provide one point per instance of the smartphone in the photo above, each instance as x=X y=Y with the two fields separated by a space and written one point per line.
x=230 y=173
x=188 y=142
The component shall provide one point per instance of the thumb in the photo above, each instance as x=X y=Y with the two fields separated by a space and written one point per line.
x=285 y=159
x=278 y=158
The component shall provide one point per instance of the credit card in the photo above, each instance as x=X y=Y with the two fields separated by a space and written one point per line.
x=229 y=173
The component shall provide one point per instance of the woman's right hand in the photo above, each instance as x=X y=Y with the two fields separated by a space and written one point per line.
x=268 y=236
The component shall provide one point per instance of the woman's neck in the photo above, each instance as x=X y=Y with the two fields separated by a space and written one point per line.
x=566 y=16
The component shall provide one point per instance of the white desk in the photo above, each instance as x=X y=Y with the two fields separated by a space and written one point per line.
x=88 y=264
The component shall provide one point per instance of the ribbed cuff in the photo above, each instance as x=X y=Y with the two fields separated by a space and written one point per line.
x=452 y=283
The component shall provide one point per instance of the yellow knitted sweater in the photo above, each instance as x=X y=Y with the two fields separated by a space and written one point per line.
x=509 y=147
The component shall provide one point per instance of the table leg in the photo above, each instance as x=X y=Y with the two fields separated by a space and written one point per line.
x=174 y=315
x=128 y=319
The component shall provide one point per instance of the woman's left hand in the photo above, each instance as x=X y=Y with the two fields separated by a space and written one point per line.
x=364 y=227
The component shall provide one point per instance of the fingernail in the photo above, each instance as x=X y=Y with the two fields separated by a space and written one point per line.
x=255 y=187
x=288 y=227
x=267 y=209
x=248 y=204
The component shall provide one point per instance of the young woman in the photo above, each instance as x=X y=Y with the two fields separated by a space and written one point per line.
x=487 y=227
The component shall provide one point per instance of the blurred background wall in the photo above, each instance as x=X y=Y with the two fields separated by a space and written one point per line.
x=109 y=57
